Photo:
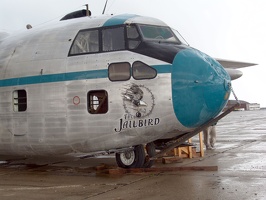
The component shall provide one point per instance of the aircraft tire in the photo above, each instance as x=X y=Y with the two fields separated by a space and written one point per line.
x=131 y=159
x=150 y=149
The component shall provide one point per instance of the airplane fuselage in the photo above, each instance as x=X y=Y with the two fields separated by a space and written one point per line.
x=103 y=83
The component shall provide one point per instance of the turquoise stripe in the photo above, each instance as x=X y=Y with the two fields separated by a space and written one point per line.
x=83 y=75
x=118 y=20
x=51 y=78
x=162 y=69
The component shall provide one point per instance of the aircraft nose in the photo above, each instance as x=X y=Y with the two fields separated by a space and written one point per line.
x=200 y=87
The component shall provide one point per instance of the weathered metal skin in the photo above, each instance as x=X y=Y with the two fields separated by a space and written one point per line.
x=186 y=92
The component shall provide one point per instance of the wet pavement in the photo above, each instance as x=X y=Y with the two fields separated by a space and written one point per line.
x=239 y=154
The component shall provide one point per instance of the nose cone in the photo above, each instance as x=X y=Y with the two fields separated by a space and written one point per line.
x=200 y=87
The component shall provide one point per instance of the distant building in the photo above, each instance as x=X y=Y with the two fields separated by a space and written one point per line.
x=243 y=105
x=253 y=106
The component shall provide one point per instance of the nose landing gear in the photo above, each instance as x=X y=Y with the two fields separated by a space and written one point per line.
x=136 y=158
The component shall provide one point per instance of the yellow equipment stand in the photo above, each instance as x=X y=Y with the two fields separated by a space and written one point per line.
x=190 y=151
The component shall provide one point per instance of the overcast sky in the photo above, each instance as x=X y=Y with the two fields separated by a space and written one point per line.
x=228 y=29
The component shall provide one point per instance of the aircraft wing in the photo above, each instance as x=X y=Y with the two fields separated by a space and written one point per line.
x=234 y=64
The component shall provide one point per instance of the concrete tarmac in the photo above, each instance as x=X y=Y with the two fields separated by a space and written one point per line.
x=239 y=154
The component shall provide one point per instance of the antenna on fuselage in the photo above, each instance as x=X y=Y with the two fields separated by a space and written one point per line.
x=87 y=10
x=105 y=6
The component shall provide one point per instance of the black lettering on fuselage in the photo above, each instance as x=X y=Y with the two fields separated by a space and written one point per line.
x=137 y=123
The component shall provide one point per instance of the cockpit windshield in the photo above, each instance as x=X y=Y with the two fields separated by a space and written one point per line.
x=159 y=33
x=180 y=37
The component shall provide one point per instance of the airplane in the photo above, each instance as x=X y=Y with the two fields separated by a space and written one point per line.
x=123 y=84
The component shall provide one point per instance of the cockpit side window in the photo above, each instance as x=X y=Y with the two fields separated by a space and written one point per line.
x=132 y=32
x=133 y=37
x=113 y=39
x=85 y=42
x=142 y=71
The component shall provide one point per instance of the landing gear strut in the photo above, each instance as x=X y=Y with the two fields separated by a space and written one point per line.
x=150 y=150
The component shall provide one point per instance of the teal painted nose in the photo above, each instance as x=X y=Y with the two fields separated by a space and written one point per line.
x=200 y=87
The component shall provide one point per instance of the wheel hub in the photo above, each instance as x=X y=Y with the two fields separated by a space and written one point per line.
x=127 y=157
